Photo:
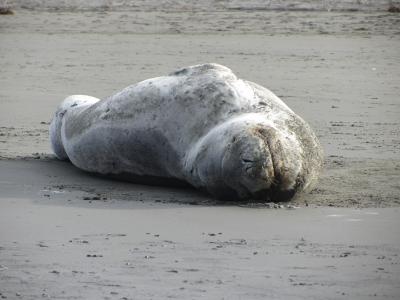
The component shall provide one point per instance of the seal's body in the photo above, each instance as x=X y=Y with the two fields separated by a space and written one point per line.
x=200 y=124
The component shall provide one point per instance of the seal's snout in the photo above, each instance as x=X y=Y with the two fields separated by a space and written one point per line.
x=251 y=161
x=247 y=166
x=265 y=165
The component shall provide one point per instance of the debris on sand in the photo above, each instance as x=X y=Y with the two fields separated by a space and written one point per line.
x=94 y=255
x=42 y=245
x=3 y=268
x=92 y=198
x=6 y=11
x=394 y=9
x=345 y=254
x=271 y=205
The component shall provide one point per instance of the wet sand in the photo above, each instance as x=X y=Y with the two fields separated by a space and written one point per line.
x=67 y=234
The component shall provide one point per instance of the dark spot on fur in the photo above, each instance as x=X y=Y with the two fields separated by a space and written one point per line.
x=179 y=72
x=6 y=11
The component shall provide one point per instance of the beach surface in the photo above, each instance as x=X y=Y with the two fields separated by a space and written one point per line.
x=66 y=234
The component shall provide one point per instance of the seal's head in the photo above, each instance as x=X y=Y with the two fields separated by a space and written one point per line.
x=248 y=159
x=69 y=104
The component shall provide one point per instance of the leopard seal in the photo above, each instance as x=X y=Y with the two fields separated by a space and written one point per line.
x=201 y=125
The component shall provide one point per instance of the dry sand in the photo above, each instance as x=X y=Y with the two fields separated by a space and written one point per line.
x=65 y=234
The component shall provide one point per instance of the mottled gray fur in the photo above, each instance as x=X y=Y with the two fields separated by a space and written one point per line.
x=202 y=125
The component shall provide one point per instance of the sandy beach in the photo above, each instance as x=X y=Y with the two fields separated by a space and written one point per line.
x=66 y=234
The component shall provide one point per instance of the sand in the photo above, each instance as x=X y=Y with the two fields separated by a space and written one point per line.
x=65 y=234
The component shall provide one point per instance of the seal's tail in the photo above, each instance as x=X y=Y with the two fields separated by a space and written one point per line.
x=56 y=125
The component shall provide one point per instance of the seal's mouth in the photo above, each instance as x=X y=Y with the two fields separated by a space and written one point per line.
x=258 y=168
